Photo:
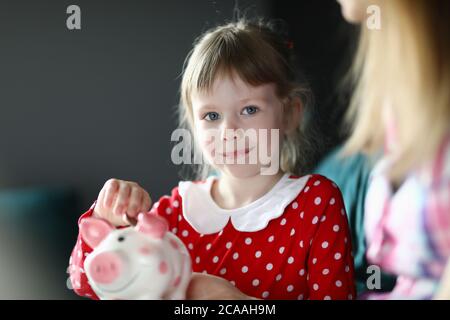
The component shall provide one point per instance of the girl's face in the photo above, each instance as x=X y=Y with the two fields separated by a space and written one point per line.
x=227 y=123
x=354 y=10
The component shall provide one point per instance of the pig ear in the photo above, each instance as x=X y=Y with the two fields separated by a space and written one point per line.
x=152 y=225
x=94 y=230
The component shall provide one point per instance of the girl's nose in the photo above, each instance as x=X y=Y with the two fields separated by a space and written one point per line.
x=229 y=134
x=229 y=131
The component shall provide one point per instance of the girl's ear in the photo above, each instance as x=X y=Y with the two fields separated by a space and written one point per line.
x=293 y=113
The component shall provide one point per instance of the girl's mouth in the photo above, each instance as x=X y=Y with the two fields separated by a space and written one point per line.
x=236 y=153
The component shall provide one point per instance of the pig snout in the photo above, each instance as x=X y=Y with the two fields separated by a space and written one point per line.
x=106 y=267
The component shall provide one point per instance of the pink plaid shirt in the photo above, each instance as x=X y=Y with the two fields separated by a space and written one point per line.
x=408 y=231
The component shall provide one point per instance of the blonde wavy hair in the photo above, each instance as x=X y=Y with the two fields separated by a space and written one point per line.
x=407 y=62
x=258 y=54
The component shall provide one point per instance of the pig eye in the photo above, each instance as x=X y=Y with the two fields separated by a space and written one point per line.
x=121 y=239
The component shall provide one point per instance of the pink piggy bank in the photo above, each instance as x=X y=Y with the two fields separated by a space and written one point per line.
x=141 y=262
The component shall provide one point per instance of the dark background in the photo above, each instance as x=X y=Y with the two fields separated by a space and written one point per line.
x=81 y=106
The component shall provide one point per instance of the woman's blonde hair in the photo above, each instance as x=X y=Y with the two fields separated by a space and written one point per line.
x=406 y=62
x=256 y=53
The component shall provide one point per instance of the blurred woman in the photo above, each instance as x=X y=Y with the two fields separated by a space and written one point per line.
x=400 y=113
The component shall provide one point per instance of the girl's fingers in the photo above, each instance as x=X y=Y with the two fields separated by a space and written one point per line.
x=122 y=198
x=101 y=197
x=123 y=201
x=135 y=201
x=146 y=202
x=128 y=221
x=111 y=187
x=99 y=204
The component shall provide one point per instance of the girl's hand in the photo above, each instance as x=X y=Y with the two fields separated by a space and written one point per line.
x=120 y=202
x=208 y=287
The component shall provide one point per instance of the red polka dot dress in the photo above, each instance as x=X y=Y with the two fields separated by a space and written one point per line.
x=292 y=243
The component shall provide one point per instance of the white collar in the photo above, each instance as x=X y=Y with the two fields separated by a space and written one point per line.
x=206 y=217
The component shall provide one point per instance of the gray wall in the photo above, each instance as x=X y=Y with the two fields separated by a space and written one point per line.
x=79 y=107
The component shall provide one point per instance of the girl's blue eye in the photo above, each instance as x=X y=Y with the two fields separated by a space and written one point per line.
x=250 y=110
x=211 y=116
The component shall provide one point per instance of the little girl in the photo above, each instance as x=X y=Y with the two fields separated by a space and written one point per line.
x=273 y=236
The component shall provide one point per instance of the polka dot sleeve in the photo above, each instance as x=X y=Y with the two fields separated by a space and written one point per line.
x=330 y=262
x=78 y=279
